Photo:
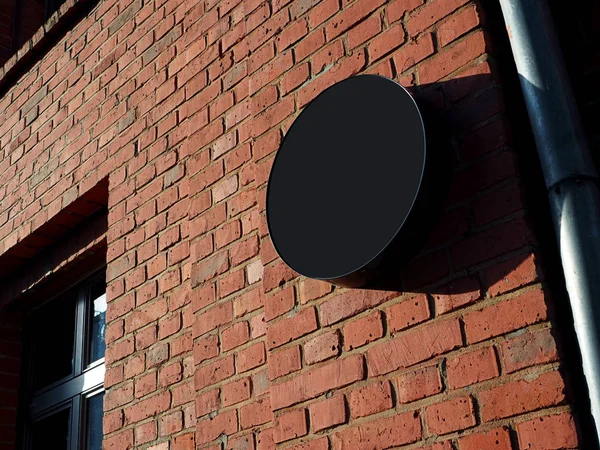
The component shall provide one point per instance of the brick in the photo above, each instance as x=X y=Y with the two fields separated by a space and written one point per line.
x=310 y=44
x=508 y=315
x=214 y=372
x=529 y=349
x=284 y=362
x=207 y=402
x=419 y=384
x=232 y=282
x=235 y=336
x=327 y=413
x=452 y=58
x=452 y=415
x=364 y=31
x=288 y=329
x=397 y=8
x=264 y=440
x=171 y=423
x=228 y=233
x=312 y=289
x=362 y=331
x=236 y=392
x=258 y=326
x=213 y=318
x=431 y=13
x=210 y=268
x=457 y=293
x=254 y=272
x=387 y=432
x=272 y=116
x=313 y=383
x=270 y=72
x=496 y=439
x=548 y=432
x=457 y=25
x=413 y=347
x=251 y=357
x=407 y=313
x=413 y=53
x=248 y=302
x=472 y=367
x=386 y=42
x=315 y=444
x=327 y=56
x=119 y=396
x=512 y=274
x=290 y=426
x=290 y=35
x=208 y=430
x=350 y=303
x=147 y=408
x=280 y=303
x=225 y=188
x=371 y=399
x=256 y=413
x=521 y=396
x=322 y=347
x=350 y=16
x=170 y=374
x=206 y=348
x=294 y=78
x=119 y=441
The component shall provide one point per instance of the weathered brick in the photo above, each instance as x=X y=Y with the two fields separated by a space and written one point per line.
x=322 y=347
x=382 y=433
x=409 y=312
x=517 y=397
x=371 y=399
x=328 y=413
x=362 y=331
x=472 y=367
x=209 y=429
x=419 y=384
x=310 y=384
x=508 y=315
x=284 y=361
x=424 y=343
x=548 y=432
x=236 y=392
x=497 y=439
x=288 y=329
x=452 y=415
x=529 y=349
x=290 y=425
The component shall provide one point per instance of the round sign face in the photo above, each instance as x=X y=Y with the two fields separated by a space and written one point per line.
x=346 y=177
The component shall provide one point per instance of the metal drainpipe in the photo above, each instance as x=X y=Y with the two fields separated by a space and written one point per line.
x=571 y=179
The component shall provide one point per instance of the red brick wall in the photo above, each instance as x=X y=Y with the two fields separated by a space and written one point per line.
x=212 y=341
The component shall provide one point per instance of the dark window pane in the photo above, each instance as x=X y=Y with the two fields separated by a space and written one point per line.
x=52 y=432
x=98 y=321
x=94 y=426
x=53 y=340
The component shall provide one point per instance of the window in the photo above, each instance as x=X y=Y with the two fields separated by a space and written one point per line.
x=64 y=366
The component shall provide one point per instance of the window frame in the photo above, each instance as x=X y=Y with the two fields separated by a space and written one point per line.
x=72 y=391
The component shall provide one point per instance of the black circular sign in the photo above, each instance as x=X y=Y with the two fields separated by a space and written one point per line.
x=345 y=179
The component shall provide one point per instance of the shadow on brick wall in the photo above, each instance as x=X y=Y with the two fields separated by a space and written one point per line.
x=484 y=241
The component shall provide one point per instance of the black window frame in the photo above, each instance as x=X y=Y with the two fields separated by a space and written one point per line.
x=85 y=381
